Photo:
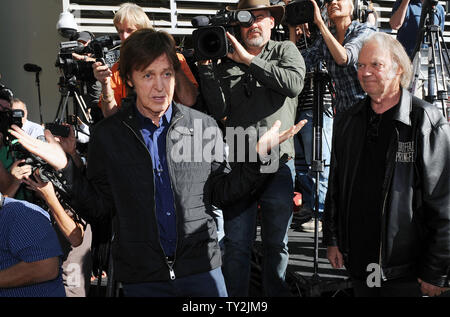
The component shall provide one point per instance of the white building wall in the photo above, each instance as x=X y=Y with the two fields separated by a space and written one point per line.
x=28 y=35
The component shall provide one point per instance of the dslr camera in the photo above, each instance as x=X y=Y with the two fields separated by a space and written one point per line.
x=100 y=48
x=210 y=39
x=8 y=117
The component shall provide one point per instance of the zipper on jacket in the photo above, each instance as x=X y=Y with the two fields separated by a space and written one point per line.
x=170 y=265
x=381 y=238
x=170 y=262
x=383 y=209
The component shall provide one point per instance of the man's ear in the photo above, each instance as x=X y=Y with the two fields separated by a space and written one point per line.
x=129 y=83
x=272 y=22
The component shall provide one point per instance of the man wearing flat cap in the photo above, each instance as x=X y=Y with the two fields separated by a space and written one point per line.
x=256 y=85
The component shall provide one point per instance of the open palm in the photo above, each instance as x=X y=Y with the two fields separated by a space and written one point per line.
x=273 y=137
x=51 y=152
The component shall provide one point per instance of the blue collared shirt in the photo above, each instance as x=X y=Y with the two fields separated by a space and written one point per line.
x=408 y=32
x=26 y=235
x=155 y=140
x=346 y=84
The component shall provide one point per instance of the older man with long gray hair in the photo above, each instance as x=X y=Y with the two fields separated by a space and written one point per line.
x=387 y=212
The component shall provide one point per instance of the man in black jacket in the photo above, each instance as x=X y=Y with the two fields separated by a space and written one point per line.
x=158 y=167
x=387 y=211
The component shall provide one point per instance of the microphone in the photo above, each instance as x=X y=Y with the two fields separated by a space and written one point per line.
x=32 y=68
x=200 y=20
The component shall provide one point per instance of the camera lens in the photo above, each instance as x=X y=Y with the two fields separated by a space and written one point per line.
x=210 y=43
x=245 y=18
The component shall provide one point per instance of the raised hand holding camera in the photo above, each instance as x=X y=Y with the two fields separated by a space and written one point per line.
x=239 y=53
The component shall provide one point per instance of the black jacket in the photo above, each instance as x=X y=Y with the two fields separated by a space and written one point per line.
x=415 y=219
x=120 y=184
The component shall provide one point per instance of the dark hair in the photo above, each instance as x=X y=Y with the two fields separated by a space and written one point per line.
x=142 y=47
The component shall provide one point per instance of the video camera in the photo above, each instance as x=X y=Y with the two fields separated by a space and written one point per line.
x=100 y=48
x=301 y=11
x=9 y=117
x=6 y=93
x=210 y=39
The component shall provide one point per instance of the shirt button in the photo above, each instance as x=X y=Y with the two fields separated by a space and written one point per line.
x=168 y=213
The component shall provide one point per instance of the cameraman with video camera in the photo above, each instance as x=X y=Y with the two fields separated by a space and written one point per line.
x=257 y=85
x=93 y=86
x=406 y=19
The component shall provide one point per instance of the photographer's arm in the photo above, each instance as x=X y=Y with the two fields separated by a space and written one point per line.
x=334 y=45
x=28 y=273
x=398 y=15
x=8 y=185
x=69 y=145
x=5 y=178
x=212 y=92
x=71 y=230
x=107 y=99
x=186 y=87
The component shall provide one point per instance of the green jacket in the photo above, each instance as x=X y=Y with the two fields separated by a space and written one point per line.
x=258 y=95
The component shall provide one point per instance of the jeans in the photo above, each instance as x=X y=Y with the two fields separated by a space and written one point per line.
x=307 y=178
x=208 y=284
x=276 y=207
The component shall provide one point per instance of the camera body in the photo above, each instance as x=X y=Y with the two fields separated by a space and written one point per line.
x=100 y=48
x=210 y=39
x=300 y=11
x=6 y=93
x=9 y=117
x=58 y=129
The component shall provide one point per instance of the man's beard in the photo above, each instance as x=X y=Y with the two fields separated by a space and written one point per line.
x=255 y=41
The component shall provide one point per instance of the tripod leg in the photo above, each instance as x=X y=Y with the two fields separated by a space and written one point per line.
x=82 y=106
x=414 y=86
x=65 y=100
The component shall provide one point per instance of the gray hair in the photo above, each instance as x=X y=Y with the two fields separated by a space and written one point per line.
x=397 y=52
x=134 y=14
